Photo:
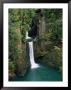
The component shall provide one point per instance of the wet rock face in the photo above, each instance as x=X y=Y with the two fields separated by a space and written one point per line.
x=33 y=32
x=33 y=27
x=44 y=49
x=19 y=64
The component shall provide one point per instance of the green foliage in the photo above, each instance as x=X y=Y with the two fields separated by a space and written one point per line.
x=11 y=66
x=19 y=22
x=49 y=47
x=14 y=39
x=49 y=51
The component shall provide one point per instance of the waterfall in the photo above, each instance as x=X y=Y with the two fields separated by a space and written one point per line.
x=31 y=52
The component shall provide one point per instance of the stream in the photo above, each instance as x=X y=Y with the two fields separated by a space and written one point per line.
x=38 y=72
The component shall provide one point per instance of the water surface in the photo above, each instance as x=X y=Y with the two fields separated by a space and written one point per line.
x=40 y=74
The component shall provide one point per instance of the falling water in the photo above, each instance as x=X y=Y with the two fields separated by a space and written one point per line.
x=31 y=52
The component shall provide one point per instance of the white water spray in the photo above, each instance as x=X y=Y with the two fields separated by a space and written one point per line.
x=31 y=52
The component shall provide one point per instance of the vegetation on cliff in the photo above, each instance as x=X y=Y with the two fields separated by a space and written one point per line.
x=48 y=45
